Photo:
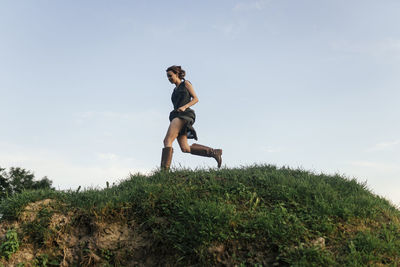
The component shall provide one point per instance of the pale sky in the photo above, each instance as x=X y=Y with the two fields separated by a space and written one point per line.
x=300 y=83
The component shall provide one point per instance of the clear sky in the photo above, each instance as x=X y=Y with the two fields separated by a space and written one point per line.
x=313 y=84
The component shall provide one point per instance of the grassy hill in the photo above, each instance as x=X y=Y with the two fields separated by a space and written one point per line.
x=250 y=216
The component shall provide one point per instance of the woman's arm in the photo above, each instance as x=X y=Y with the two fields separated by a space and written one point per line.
x=192 y=94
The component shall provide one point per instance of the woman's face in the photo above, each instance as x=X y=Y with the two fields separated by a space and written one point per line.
x=172 y=77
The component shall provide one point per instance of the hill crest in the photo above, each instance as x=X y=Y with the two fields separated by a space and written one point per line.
x=252 y=215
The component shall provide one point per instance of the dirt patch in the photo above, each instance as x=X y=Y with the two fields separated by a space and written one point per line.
x=71 y=239
x=31 y=210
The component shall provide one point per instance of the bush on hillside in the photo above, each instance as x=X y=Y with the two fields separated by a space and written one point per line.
x=18 y=179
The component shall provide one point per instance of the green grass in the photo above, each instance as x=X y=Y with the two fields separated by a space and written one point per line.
x=10 y=245
x=258 y=214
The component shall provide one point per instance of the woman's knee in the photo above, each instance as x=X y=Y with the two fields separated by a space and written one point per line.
x=173 y=130
x=185 y=149
x=167 y=142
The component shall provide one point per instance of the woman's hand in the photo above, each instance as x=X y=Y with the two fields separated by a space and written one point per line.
x=181 y=109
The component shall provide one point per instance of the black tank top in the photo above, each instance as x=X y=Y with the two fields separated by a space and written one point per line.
x=180 y=96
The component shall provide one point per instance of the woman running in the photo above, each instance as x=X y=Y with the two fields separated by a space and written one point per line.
x=182 y=119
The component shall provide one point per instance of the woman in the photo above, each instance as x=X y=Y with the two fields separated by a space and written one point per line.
x=182 y=119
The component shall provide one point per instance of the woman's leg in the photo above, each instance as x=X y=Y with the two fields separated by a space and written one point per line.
x=173 y=131
x=183 y=143
x=205 y=151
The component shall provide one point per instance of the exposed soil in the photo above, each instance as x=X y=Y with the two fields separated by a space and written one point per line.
x=72 y=240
